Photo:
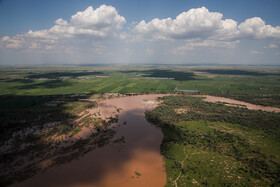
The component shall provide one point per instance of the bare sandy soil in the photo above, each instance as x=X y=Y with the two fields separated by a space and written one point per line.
x=132 y=159
x=236 y=103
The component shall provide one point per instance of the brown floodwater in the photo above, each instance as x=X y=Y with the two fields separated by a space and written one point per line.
x=135 y=162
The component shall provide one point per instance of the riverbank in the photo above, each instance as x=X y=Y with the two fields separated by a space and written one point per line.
x=236 y=103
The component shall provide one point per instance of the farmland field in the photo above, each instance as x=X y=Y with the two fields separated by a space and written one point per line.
x=57 y=80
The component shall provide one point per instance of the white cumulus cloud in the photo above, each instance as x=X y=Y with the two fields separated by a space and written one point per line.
x=100 y=23
x=256 y=28
x=100 y=30
x=200 y=23
x=195 y=23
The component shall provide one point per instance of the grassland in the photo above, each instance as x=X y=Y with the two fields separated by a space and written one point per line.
x=216 y=145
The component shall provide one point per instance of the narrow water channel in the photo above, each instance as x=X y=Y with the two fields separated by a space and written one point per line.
x=136 y=161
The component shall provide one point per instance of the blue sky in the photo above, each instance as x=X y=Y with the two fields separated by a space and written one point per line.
x=130 y=31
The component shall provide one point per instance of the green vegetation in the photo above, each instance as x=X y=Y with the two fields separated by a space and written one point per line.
x=33 y=112
x=217 y=145
x=196 y=109
x=60 y=80
x=137 y=174
x=265 y=100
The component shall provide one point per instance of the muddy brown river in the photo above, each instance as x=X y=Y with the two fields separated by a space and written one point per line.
x=135 y=162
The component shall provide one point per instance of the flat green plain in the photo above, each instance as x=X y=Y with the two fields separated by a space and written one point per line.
x=58 y=80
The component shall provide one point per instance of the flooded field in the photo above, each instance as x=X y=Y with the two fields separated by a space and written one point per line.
x=132 y=159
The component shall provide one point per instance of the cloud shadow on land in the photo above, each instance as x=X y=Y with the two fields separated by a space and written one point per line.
x=51 y=80
x=177 y=75
x=234 y=72
x=57 y=75
x=24 y=81
x=20 y=112
x=46 y=84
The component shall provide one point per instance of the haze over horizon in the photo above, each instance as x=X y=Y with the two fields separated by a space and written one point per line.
x=171 y=32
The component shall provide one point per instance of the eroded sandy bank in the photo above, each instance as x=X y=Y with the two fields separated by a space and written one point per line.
x=233 y=102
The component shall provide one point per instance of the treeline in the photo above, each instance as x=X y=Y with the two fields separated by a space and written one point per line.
x=265 y=100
